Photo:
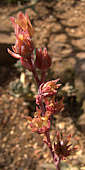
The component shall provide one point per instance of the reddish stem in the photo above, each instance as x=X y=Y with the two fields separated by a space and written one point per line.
x=36 y=77
x=43 y=75
x=56 y=159
x=49 y=143
x=57 y=162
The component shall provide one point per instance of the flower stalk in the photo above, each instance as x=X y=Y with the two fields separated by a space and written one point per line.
x=47 y=103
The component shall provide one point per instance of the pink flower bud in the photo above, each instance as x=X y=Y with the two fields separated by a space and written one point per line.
x=43 y=60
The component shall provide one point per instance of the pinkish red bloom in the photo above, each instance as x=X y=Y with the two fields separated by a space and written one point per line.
x=47 y=89
x=43 y=60
x=23 y=47
x=46 y=99
x=53 y=106
x=62 y=148
x=39 y=123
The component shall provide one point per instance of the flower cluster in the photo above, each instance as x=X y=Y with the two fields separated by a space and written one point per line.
x=46 y=106
x=39 y=123
x=63 y=148
x=24 y=47
x=47 y=96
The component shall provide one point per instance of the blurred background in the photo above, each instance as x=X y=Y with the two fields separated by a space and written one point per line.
x=60 y=26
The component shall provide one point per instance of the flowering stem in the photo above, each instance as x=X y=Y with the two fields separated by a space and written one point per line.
x=56 y=159
x=42 y=107
x=48 y=142
x=57 y=162
x=43 y=75
x=36 y=77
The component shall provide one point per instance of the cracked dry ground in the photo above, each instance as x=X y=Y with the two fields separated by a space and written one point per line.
x=60 y=26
